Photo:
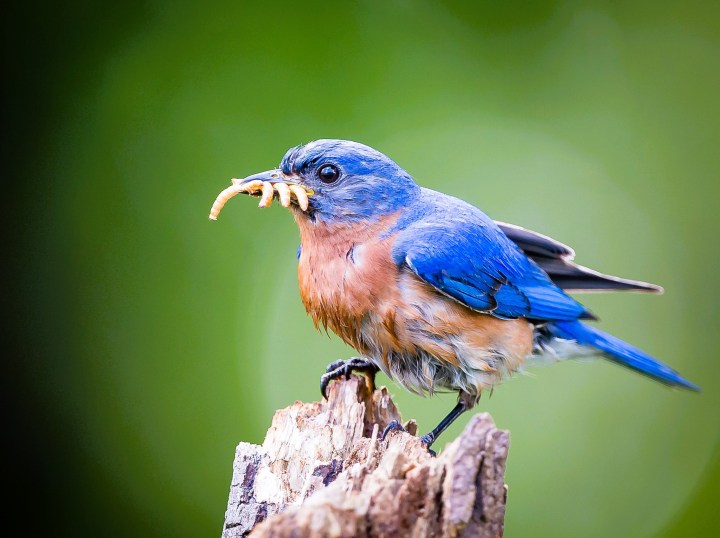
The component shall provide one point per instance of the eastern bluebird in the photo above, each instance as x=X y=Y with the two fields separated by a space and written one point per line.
x=426 y=287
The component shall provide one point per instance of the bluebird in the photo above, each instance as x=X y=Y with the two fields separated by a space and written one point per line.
x=426 y=287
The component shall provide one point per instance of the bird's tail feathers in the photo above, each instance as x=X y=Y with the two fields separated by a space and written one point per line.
x=573 y=339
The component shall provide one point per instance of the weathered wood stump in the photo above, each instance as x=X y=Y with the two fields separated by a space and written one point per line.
x=323 y=472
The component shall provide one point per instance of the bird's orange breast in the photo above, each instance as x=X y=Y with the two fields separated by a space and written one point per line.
x=350 y=284
x=345 y=273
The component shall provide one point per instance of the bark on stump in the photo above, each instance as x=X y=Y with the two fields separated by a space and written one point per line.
x=322 y=472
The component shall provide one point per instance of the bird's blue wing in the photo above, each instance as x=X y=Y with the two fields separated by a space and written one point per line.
x=464 y=255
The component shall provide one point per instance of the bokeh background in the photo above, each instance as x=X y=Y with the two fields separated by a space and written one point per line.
x=146 y=341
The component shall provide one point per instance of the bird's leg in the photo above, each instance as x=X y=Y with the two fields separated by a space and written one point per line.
x=429 y=438
x=345 y=368
x=465 y=402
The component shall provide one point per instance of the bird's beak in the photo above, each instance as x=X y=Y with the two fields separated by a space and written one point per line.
x=266 y=185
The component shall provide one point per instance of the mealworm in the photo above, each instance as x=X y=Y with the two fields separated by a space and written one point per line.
x=236 y=188
x=222 y=199
x=301 y=196
x=268 y=192
x=252 y=186
x=284 y=192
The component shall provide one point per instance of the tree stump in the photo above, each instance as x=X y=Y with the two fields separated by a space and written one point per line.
x=323 y=472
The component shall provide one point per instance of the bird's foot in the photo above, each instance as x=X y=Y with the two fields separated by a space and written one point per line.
x=428 y=440
x=392 y=426
x=344 y=368
x=396 y=426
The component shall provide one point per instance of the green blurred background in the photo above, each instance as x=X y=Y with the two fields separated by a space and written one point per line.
x=147 y=341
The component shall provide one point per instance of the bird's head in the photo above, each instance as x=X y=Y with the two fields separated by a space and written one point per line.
x=345 y=181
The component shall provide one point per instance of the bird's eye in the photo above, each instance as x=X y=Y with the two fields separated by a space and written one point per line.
x=328 y=173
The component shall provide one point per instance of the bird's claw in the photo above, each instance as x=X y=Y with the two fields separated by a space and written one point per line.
x=392 y=426
x=345 y=368
x=428 y=440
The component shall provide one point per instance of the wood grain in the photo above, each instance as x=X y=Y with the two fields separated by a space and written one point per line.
x=322 y=472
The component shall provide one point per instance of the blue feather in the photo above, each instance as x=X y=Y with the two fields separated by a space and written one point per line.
x=460 y=251
x=620 y=352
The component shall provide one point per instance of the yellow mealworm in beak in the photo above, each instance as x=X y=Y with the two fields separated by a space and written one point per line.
x=236 y=188
x=301 y=196
x=252 y=186
x=268 y=192
x=222 y=199
x=284 y=191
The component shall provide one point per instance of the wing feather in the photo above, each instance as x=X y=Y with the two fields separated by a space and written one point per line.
x=474 y=263
x=555 y=259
